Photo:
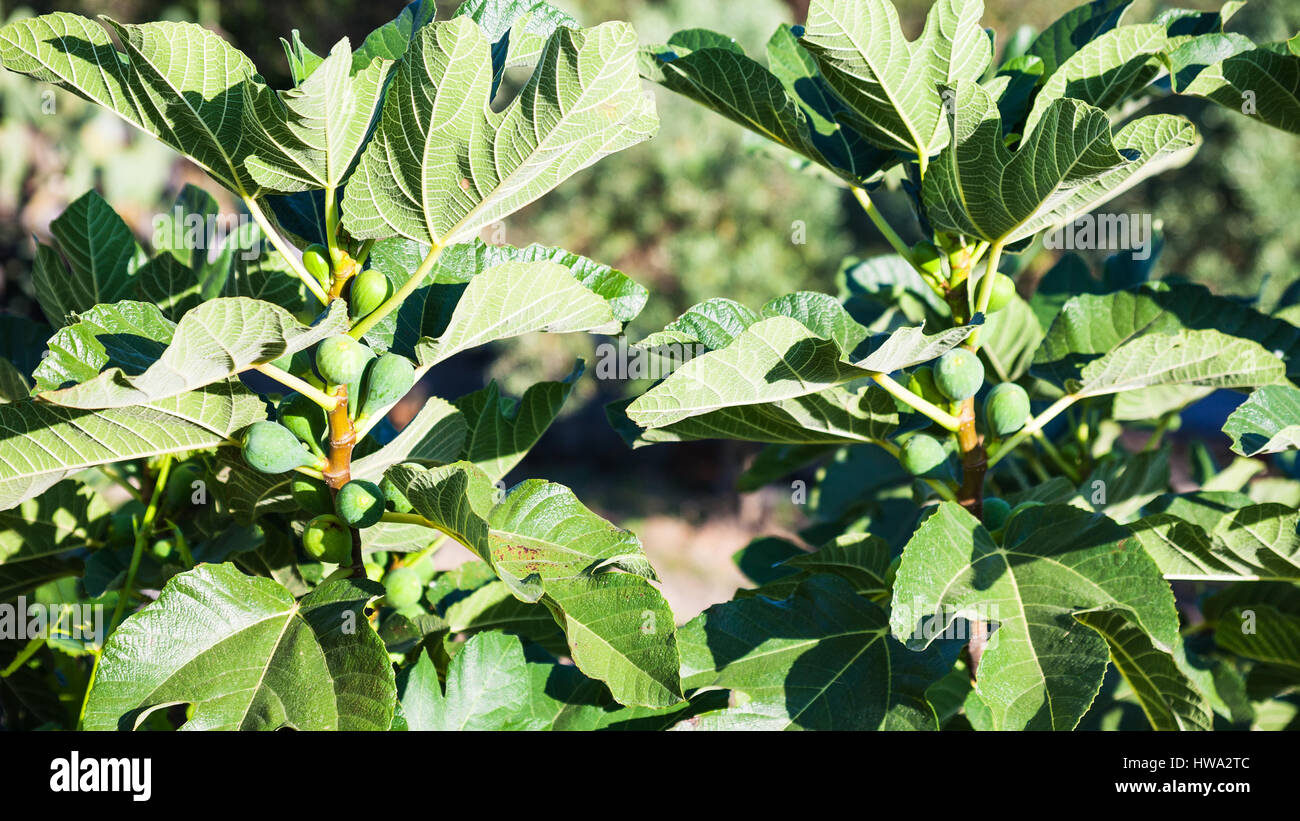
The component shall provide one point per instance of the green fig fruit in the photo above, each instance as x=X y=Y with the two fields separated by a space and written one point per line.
x=359 y=503
x=927 y=256
x=370 y=289
x=272 y=448
x=328 y=539
x=341 y=360
x=387 y=379
x=307 y=421
x=921 y=383
x=996 y=512
x=958 y=374
x=1004 y=289
x=316 y=259
x=923 y=456
x=311 y=495
x=1006 y=408
x=394 y=496
x=403 y=588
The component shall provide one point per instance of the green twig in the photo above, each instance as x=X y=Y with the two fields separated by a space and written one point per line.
x=920 y=404
x=301 y=386
x=291 y=259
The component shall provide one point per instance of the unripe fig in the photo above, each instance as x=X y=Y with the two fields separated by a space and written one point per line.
x=316 y=259
x=1004 y=289
x=373 y=571
x=402 y=588
x=180 y=485
x=927 y=256
x=328 y=539
x=958 y=374
x=341 y=360
x=272 y=448
x=369 y=290
x=387 y=379
x=307 y=421
x=923 y=456
x=311 y=495
x=394 y=496
x=424 y=568
x=359 y=503
x=996 y=512
x=1006 y=408
x=921 y=383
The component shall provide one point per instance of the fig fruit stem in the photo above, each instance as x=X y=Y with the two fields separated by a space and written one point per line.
x=406 y=519
x=399 y=296
x=332 y=229
x=1057 y=457
x=985 y=291
x=298 y=385
x=921 y=405
x=293 y=260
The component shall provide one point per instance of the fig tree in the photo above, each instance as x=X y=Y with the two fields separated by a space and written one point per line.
x=359 y=503
x=1006 y=408
x=328 y=539
x=272 y=448
x=958 y=374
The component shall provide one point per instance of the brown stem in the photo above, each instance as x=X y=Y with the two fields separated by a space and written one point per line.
x=343 y=437
x=974 y=461
x=338 y=468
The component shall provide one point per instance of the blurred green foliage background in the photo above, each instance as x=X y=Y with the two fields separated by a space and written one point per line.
x=702 y=210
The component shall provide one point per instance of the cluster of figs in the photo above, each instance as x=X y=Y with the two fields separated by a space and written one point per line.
x=368 y=384
x=957 y=376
